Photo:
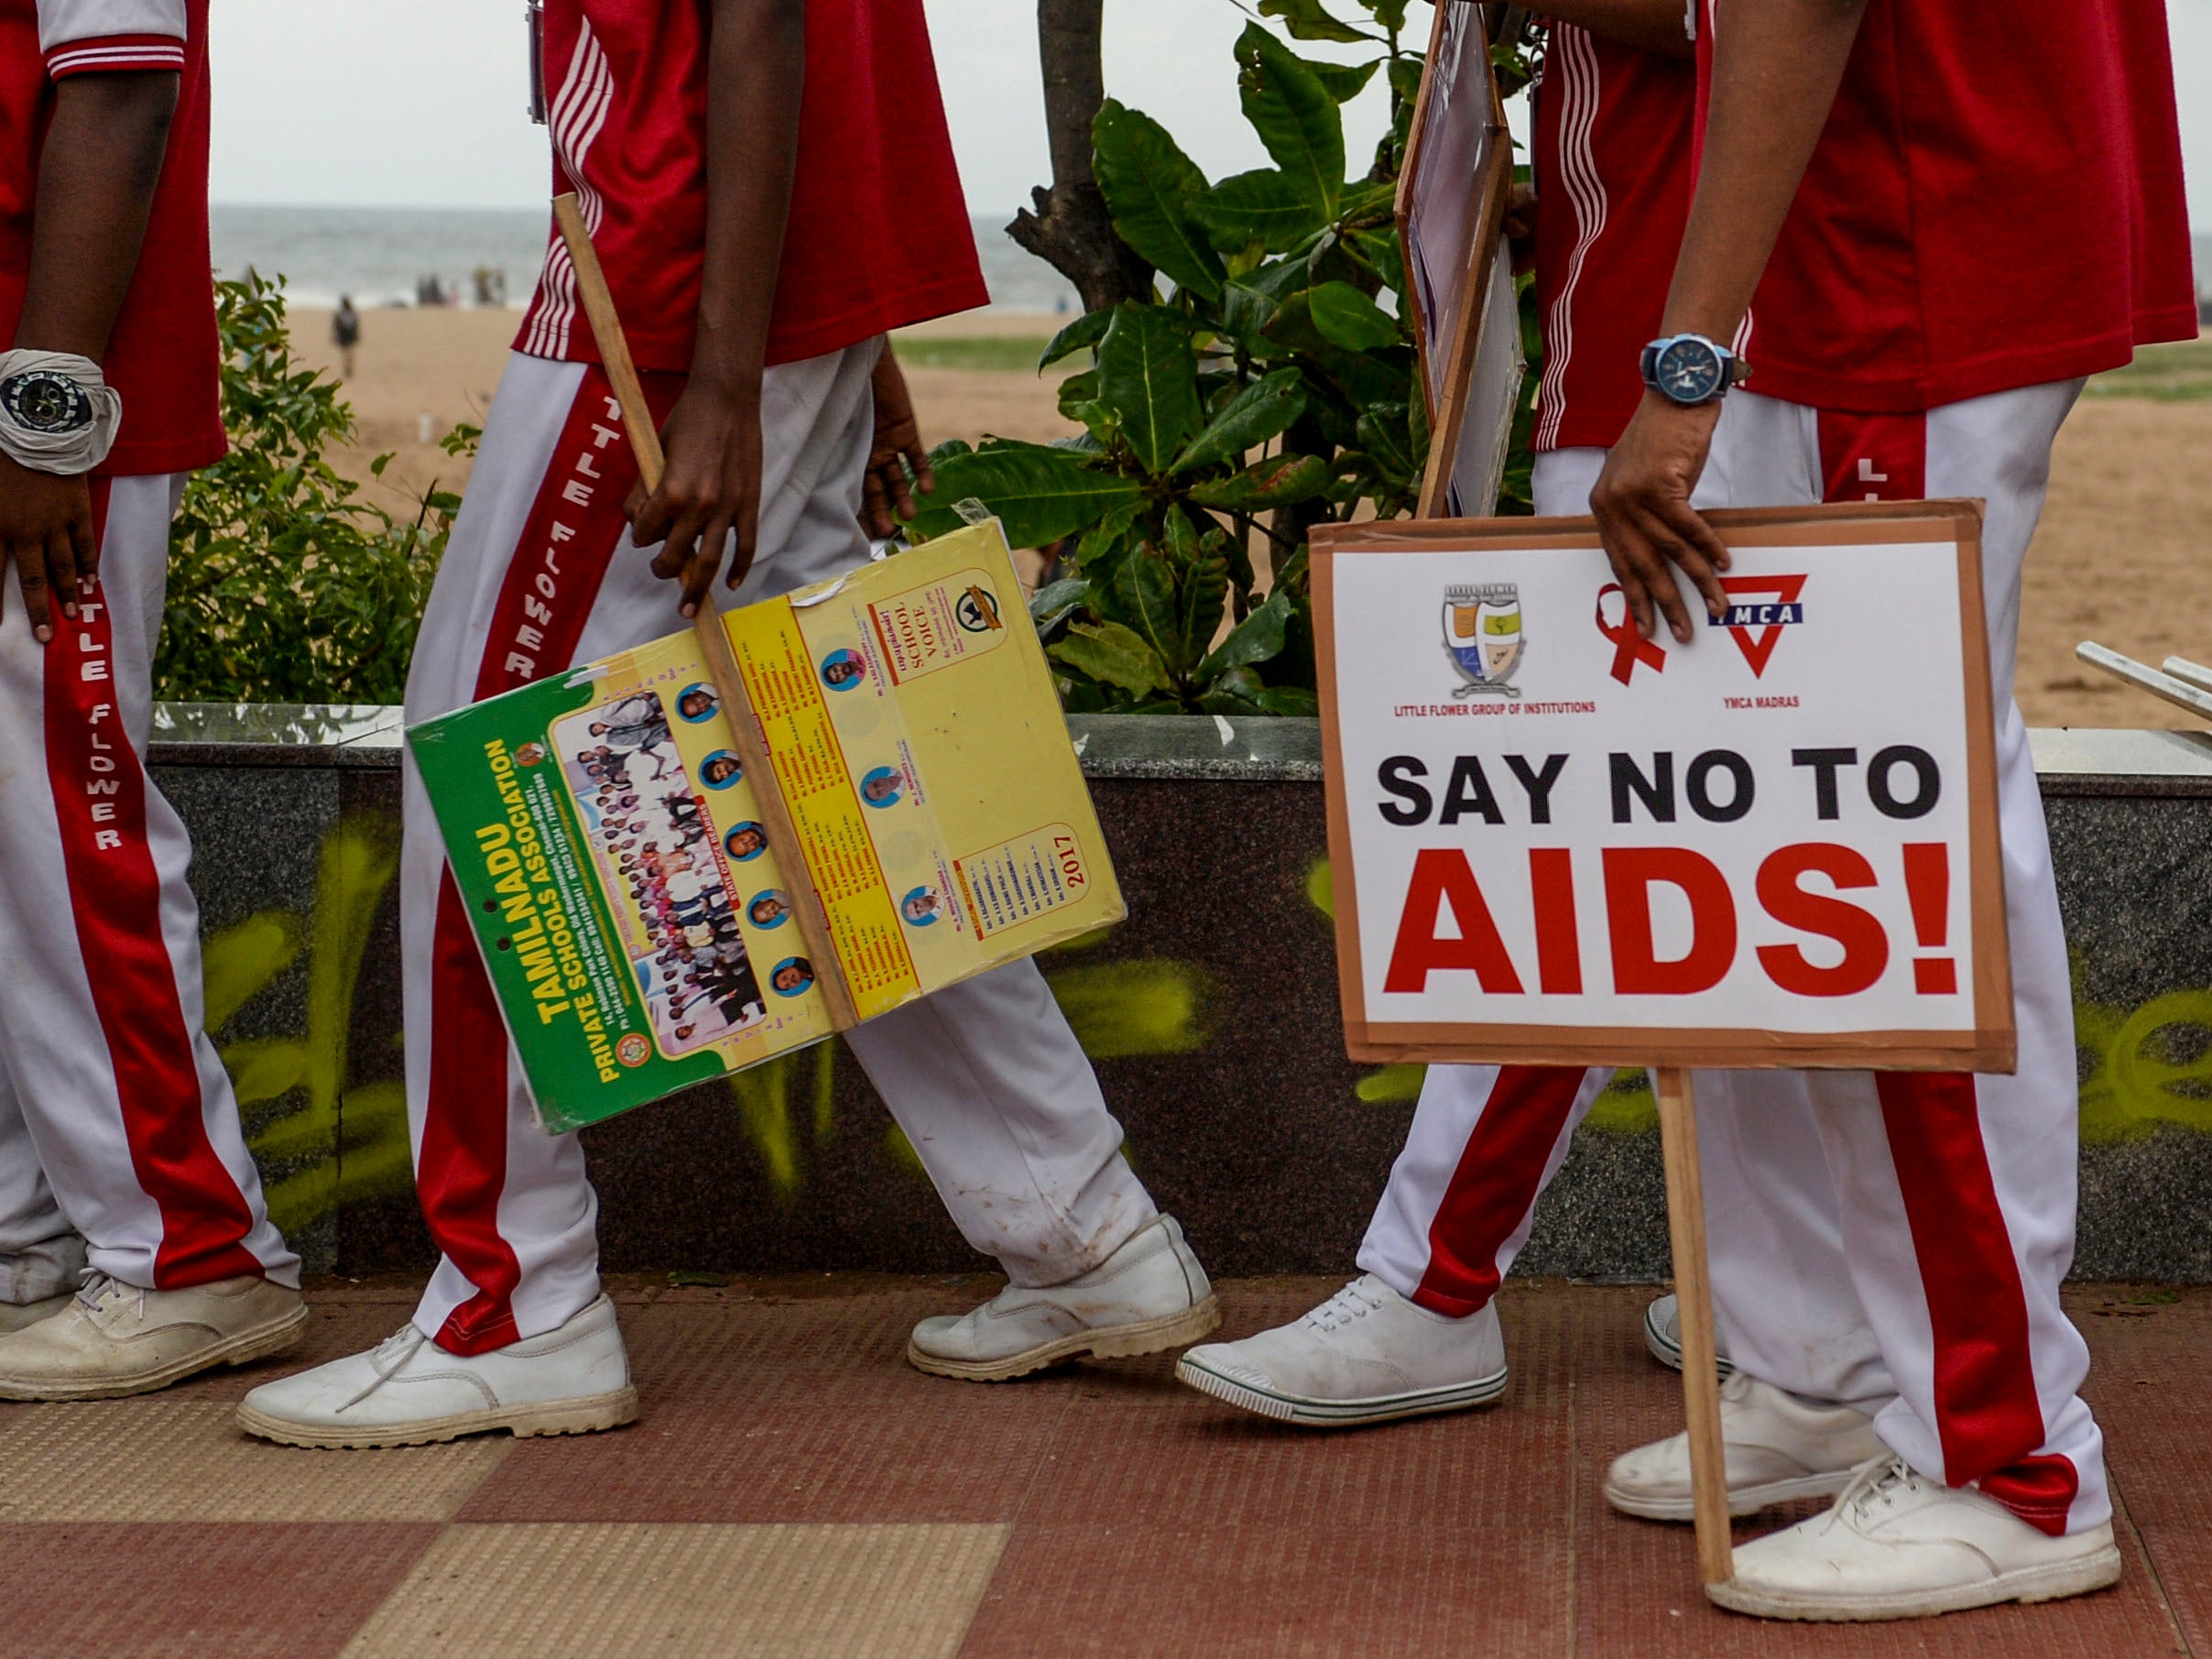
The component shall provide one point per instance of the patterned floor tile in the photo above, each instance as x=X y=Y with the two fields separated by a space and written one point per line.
x=606 y=1591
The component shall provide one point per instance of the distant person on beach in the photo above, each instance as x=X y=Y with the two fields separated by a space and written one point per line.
x=135 y=1247
x=774 y=191
x=345 y=334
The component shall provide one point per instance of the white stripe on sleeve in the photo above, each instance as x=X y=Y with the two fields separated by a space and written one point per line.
x=63 y=21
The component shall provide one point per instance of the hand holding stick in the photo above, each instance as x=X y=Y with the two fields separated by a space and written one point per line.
x=746 y=734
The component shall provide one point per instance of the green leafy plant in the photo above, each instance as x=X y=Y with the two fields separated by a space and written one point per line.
x=1274 y=386
x=284 y=585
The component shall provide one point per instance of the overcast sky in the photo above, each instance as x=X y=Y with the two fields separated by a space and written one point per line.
x=420 y=103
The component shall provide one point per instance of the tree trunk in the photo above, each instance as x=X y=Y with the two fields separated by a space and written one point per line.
x=1071 y=229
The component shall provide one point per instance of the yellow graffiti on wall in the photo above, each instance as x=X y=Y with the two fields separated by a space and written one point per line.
x=332 y=1145
x=2148 y=1065
x=1118 y=1010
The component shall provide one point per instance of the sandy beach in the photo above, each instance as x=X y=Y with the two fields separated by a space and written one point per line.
x=2120 y=556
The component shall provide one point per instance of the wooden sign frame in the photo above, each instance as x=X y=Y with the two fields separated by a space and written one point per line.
x=1990 y=1047
x=1447 y=366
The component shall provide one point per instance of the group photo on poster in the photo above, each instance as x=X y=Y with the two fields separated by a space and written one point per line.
x=654 y=848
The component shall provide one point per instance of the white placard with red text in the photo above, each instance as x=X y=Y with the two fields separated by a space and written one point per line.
x=1553 y=840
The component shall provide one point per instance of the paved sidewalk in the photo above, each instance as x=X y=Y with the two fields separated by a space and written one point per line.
x=795 y=1489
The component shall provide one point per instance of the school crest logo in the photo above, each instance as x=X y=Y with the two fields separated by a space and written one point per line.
x=1482 y=636
x=1760 y=607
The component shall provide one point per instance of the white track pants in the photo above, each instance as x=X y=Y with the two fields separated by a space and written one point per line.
x=117 y=1123
x=1893 y=1239
x=985 y=1078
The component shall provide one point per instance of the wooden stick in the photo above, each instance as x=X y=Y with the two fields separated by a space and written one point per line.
x=1694 y=1303
x=745 y=732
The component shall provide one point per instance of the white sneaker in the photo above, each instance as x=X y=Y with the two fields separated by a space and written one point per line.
x=16 y=1316
x=1898 y=1546
x=1662 y=1336
x=407 y=1390
x=113 y=1338
x=1366 y=1355
x=1147 y=1295
x=1777 y=1447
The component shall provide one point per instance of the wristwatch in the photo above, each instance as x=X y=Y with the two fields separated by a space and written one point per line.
x=1688 y=369
x=43 y=401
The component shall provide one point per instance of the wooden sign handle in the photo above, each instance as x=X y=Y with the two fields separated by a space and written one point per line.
x=745 y=733
x=1694 y=1303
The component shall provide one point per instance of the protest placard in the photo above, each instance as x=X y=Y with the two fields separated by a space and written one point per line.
x=642 y=908
x=1450 y=203
x=1556 y=841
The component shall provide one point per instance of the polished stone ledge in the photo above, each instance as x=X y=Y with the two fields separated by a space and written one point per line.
x=2070 y=760
x=275 y=733
x=2087 y=761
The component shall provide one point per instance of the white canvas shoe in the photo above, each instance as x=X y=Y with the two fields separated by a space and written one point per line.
x=1777 y=1447
x=15 y=1317
x=407 y=1390
x=1366 y=1355
x=1662 y=1336
x=113 y=1338
x=1896 y=1545
x=1148 y=1295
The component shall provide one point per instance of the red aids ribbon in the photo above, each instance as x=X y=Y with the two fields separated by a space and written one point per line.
x=1630 y=646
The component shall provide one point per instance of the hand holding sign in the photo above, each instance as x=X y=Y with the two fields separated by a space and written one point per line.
x=1641 y=501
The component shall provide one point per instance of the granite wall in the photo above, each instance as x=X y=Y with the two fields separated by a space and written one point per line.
x=1212 y=1015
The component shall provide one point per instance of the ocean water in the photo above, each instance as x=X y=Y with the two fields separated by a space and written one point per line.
x=381 y=256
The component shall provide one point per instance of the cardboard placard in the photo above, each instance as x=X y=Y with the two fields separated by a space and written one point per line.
x=1450 y=203
x=639 y=906
x=1556 y=842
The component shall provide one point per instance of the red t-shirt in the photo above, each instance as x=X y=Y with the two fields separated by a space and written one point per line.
x=1996 y=202
x=1612 y=135
x=878 y=235
x=162 y=357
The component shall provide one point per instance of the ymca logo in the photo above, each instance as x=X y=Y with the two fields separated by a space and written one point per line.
x=1767 y=605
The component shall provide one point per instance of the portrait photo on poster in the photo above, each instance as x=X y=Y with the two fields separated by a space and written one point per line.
x=1555 y=840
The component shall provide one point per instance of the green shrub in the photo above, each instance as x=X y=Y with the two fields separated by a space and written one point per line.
x=1274 y=388
x=284 y=586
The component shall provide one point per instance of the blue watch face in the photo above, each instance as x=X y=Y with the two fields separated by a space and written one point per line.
x=1688 y=371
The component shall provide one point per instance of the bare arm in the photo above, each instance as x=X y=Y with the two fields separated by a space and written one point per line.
x=1657 y=25
x=884 y=499
x=1776 y=66
x=96 y=180
x=757 y=68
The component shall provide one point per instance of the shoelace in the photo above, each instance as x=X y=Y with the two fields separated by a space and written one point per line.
x=93 y=1289
x=1880 y=1480
x=1353 y=1302
x=392 y=1352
